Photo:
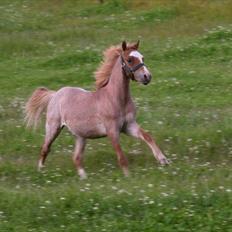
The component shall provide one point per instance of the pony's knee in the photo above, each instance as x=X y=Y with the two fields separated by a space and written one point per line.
x=133 y=130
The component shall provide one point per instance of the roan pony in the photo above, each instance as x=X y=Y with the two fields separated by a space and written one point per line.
x=108 y=111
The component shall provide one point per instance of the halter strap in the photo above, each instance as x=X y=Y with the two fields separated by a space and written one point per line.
x=137 y=67
x=128 y=70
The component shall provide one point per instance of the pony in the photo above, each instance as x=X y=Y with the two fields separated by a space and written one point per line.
x=107 y=111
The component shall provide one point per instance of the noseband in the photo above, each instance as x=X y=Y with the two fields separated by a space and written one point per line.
x=128 y=70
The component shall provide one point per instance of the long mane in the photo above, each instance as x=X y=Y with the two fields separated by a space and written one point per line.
x=103 y=72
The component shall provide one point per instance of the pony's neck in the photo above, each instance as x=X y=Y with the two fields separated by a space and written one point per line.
x=118 y=85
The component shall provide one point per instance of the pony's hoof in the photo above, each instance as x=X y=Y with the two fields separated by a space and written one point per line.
x=84 y=177
x=126 y=172
x=164 y=161
x=82 y=174
x=40 y=167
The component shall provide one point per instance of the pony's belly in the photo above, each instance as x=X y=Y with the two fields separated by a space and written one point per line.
x=96 y=132
x=87 y=130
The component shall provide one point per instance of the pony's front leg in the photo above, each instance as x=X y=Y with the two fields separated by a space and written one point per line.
x=136 y=131
x=122 y=160
x=78 y=157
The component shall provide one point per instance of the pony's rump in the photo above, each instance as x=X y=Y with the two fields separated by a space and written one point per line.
x=37 y=104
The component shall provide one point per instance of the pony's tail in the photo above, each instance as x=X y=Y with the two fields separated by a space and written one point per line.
x=36 y=105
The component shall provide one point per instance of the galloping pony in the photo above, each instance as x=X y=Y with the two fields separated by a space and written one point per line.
x=108 y=111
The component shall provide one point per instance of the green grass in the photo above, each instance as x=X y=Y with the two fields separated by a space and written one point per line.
x=187 y=46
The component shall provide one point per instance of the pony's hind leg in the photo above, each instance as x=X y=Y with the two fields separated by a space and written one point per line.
x=78 y=157
x=53 y=129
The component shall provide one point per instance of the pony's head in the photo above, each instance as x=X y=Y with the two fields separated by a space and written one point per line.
x=133 y=63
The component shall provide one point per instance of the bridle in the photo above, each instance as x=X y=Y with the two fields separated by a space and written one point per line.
x=128 y=70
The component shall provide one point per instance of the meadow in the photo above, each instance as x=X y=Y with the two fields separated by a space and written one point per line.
x=187 y=45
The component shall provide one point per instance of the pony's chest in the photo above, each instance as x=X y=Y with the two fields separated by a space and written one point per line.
x=130 y=112
x=125 y=119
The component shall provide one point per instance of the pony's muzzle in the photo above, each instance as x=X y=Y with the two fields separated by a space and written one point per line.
x=146 y=79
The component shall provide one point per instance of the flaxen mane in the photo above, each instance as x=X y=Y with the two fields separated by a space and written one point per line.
x=110 y=56
x=103 y=73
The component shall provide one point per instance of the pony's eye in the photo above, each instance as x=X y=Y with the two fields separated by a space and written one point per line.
x=129 y=60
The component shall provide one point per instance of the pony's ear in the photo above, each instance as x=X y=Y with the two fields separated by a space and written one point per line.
x=124 y=45
x=136 y=45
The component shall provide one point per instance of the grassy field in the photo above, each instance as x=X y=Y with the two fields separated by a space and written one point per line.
x=187 y=46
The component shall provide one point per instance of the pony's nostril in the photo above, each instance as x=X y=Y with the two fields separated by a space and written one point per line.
x=147 y=78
